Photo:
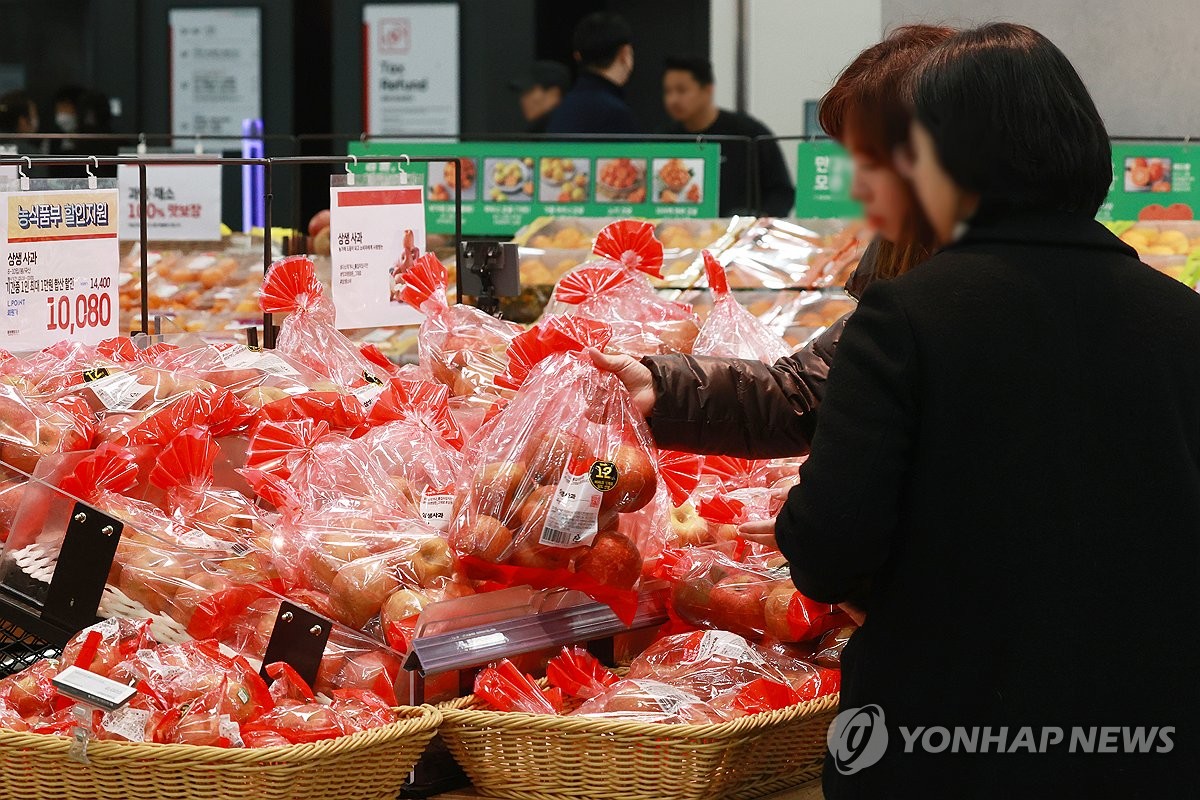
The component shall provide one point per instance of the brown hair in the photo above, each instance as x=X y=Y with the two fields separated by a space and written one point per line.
x=867 y=104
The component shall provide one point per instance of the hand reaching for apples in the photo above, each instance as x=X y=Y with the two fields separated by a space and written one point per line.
x=761 y=532
x=633 y=374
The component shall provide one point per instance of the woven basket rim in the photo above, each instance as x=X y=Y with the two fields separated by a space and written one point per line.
x=414 y=721
x=465 y=712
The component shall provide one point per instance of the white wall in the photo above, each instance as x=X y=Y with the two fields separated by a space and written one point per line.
x=1139 y=58
x=795 y=49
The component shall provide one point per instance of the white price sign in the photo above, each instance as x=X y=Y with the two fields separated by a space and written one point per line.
x=375 y=232
x=183 y=203
x=411 y=68
x=61 y=263
x=215 y=70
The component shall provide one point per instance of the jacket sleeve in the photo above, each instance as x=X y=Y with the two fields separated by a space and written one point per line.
x=837 y=525
x=738 y=407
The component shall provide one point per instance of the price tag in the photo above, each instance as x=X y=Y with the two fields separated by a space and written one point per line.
x=119 y=391
x=376 y=232
x=93 y=689
x=183 y=203
x=61 y=265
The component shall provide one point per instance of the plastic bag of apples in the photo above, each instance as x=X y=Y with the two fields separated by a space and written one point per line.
x=615 y=288
x=561 y=488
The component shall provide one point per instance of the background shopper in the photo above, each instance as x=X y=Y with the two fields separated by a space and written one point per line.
x=603 y=45
x=688 y=95
x=541 y=91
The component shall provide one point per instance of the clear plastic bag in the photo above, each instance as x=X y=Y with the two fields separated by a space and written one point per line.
x=731 y=331
x=648 y=700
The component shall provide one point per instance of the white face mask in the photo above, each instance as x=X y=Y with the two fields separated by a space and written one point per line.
x=66 y=122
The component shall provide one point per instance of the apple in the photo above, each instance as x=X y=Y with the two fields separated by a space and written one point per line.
x=433 y=561
x=485 y=538
x=406 y=490
x=539 y=556
x=613 y=560
x=495 y=486
x=552 y=451
x=359 y=589
x=260 y=396
x=737 y=604
x=400 y=607
x=778 y=602
x=319 y=222
x=332 y=551
x=530 y=516
x=152 y=577
x=193 y=591
x=687 y=526
x=637 y=480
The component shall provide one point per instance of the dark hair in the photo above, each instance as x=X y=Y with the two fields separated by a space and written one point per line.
x=14 y=107
x=1011 y=120
x=68 y=94
x=701 y=68
x=95 y=112
x=866 y=106
x=599 y=37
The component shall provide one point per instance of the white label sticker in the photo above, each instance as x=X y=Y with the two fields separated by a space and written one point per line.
x=574 y=511
x=436 y=508
x=119 y=391
x=727 y=645
x=368 y=394
x=237 y=356
x=128 y=723
x=669 y=699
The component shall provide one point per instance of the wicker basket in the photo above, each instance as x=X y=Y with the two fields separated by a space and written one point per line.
x=371 y=765
x=541 y=757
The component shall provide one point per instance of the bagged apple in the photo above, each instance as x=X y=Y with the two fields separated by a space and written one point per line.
x=614 y=288
x=553 y=483
x=460 y=346
x=753 y=598
x=308 y=334
x=648 y=700
x=32 y=429
x=731 y=331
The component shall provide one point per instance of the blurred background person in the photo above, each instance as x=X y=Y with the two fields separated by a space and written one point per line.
x=66 y=118
x=541 y=91
x=603 y=45
x=688 y=94
x=18 y=114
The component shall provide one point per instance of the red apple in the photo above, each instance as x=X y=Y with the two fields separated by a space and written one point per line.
x=530 y=516
x=360 y=588
x=551 y=452
x=738 y=604
x=613 y=560
x=687 y=526
x=637 y=480
x=496 y=485
x=485 y=538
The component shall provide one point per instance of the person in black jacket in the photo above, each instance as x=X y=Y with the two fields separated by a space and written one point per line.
x=1021 y=528
x=688 y=95
x=749 y=409
x=596 y=103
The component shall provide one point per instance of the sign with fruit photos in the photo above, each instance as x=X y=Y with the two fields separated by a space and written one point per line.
x=823 y=176
x=1153 y=181
x=506 y=185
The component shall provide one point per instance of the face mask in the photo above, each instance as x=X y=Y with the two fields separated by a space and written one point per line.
x=66 y=122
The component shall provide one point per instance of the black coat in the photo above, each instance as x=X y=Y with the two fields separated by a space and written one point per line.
x=594 y=105
x=1006 y=471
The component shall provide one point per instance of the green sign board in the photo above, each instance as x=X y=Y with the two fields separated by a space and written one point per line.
x=508 y=184
x=1153 y=181
x=823 y=176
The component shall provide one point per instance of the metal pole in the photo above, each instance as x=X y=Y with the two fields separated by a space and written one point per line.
x=458 y=235
x=268 y=328
x=145 y=247
x=743 y=27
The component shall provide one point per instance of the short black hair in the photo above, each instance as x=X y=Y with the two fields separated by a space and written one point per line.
x=701 y=68
x=14 y=107
x=1012 y=120
x=599 y=37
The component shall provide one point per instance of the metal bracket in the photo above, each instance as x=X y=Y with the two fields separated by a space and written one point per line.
x=490 y=270
x=299 y=638
x=84 y=561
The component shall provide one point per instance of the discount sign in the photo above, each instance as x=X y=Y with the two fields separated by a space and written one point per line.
x=183 y=203
x=60 y=268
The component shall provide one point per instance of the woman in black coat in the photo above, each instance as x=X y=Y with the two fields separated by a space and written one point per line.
x=1005 y=475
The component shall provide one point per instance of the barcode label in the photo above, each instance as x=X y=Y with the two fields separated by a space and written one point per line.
x=572 y=518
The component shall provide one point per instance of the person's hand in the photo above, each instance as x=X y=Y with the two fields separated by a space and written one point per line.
x=631 y=372
x=857 y=614
x=762 y=532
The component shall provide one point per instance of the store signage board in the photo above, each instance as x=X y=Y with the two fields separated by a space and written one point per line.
x=506 y=185
x=377 y=229
x=1153 y=181
x=61 y=265
x=824 y=173
x=410 y=69
x=183 y=203
x=216 y=71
